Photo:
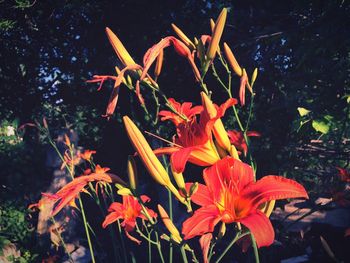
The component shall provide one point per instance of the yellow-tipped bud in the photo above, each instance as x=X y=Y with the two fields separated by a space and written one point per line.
x=220 y=133
x=183 y=37
x=119 y=48
x=216 y=36
x=159 y=64
x=222 y=230
x=269 y=206
x=149 y=159
x=254 y=76
x=179 y=179
x=132 y=173
x=124 y=191
x=175 y=234
x=193 y=188
x=234 y=152
x=232 y=60
x=212 y=26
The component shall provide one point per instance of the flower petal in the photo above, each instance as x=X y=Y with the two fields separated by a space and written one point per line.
x=179 y=159
x=111 y=218
x=202 y=196
x=261 y=228
x=204 y=241
x=273 y=188
x=203 y=221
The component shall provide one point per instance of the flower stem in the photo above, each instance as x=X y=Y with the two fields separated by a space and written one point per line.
x=255 y=249
x=87 y=231
x=234 y=240
x=183 y=253
x=171 y=218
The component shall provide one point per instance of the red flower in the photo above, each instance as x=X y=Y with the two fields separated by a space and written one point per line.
x=237 y=139
x=86 y=155
x=67 y=194
x=344 y=175
x=231 y=195
x=129 y=211
x=185 y=109
x=194 y=142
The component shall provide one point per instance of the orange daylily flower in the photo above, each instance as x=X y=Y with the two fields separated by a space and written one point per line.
x=152 y=53
x=237 y=139
x=129 y=211
x=86 y=155
x=194 y=142
x=67 y=194
x=70 y=161
x=231 y=195
x=185 y=110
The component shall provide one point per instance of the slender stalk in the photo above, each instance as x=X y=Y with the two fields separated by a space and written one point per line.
x=171 y=218
x=255 y=249
x=149 y=249
x=183 y=253
x=159 y=247
x=87 y=231
x=234 y=240
x=122 y=241
x=62 y=241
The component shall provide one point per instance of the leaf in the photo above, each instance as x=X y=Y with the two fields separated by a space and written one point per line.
x=303 y=111
x=320 y=126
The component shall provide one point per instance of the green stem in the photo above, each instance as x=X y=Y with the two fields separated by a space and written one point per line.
x=122 y=241
x=183 y=253
x=149 y=249
x=255 y=249
x=159 y=248
x=87 y=231
x=171 y=218
x=234 y=240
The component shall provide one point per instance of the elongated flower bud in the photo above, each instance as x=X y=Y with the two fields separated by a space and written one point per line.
x=175 y=234
x=117 y=70
x=119 y=48
x=216 y=36
x=220 y=133
x=212 y=26
x=179 y=179
x=132 y=173
x=254 y=76
x=232 y=60
x=149 y=159
x=159 y=64
x=183 y=37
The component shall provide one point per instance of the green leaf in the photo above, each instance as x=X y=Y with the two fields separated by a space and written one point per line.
x=320 y=126
x=303 y=111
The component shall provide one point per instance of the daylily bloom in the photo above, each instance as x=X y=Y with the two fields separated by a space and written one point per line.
x=237 y=139
x=67 y=194
x=194 y=142
x=231 y=195
x=129 y=211
x=86 y=155
x=185 y=109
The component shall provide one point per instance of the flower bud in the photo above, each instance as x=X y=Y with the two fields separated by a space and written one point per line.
x=159 y=64
x=183 y=37
x=216 y=36
x=175 y=234
x=132 y=173
x=232 y=60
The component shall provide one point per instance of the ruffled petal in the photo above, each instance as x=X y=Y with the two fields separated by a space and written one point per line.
x=203 y=221
x=273 y=188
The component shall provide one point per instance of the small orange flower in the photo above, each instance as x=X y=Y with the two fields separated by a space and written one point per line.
x=237 y=139
x=185 y=110
x=129 y=211
x=86 y=155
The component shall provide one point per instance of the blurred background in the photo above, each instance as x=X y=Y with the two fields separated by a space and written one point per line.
x=48 y=49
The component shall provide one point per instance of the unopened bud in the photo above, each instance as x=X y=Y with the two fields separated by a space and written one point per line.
x=132 y=173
